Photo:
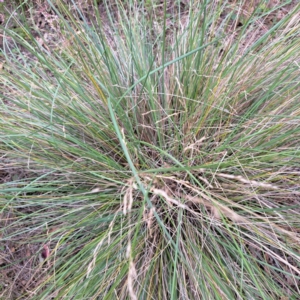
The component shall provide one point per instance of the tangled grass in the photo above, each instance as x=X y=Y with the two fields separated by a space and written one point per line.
x=155 y=155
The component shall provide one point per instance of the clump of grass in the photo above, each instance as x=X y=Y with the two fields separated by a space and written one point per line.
x=160 y=153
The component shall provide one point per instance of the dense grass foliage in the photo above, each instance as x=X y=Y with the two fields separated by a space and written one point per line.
x=153 y=153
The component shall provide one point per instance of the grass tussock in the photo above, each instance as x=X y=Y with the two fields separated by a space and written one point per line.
x=153 y=153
